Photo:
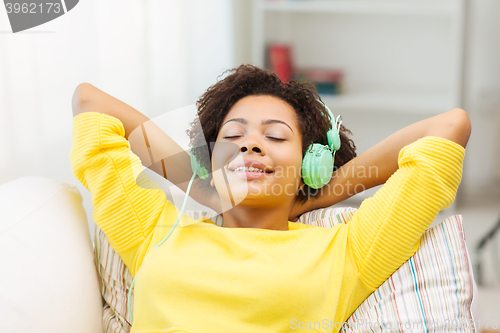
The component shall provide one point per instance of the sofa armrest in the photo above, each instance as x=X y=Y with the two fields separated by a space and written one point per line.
x=49 y=281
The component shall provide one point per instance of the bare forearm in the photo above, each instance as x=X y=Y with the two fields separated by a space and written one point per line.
x=374 y=166
x=156 y=150
x=88 y=98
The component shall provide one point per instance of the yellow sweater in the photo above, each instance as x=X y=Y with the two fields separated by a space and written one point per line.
x=206 y=278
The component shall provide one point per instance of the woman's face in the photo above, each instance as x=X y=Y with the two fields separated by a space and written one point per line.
x=260 y=132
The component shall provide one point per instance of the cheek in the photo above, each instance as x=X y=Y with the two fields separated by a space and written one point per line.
x=290 y=166
x=223 y=154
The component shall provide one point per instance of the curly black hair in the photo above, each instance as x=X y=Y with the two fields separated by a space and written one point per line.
x=248 y=80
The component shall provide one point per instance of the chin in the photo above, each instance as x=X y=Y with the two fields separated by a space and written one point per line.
x=249 y=197
x=255 y=193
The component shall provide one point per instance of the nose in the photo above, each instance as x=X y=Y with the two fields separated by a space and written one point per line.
x=255 y=149
x=252 y=145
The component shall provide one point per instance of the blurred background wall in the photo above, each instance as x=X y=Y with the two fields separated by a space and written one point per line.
x=161 y=55
x=155 y=55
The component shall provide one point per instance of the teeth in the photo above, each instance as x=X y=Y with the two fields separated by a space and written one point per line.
x=248 y=169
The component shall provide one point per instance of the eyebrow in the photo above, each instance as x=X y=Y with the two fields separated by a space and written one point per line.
x=264 y=122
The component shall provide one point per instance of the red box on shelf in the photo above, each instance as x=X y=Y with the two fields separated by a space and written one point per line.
x=280 y=61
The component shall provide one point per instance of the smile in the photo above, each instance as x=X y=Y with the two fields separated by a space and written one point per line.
x=250 y=169
x=250 y=172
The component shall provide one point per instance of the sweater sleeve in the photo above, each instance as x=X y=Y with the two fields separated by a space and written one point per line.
x=126 y=203
x=386 y=230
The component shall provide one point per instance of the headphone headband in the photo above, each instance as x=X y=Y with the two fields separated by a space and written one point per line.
x=332 y=135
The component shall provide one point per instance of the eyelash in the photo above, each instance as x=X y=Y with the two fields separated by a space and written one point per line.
x=270 y=137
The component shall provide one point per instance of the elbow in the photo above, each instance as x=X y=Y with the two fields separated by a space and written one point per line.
x=453 y=125
x=461 y=127
x=81 y=98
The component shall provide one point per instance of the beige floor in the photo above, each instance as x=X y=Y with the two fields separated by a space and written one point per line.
x=489 y=309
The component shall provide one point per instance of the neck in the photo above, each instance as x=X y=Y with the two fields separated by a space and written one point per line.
x=252 y=217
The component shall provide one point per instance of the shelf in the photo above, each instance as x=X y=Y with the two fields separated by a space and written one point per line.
x=383 y=54
x=412 y=7
x=405 y=103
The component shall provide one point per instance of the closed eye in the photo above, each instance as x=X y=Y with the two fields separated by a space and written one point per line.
x=237 y=136
x=277 y=139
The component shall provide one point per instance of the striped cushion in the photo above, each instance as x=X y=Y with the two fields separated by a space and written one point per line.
x=433 y=290
x=433 y=287
x=114 y=280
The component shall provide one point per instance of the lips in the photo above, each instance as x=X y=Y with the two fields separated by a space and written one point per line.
x=251 y=163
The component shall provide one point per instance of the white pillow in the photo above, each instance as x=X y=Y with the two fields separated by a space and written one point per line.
x=48 y=281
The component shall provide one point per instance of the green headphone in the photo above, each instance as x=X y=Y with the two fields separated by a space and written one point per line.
x=317 y=164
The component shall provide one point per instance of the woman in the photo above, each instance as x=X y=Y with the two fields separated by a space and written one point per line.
x=259 y=272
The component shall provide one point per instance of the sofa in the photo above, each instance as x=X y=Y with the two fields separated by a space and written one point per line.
x=54 y=279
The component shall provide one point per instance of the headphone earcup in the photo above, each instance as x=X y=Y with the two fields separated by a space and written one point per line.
x=317 y=166
x=202 y=171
